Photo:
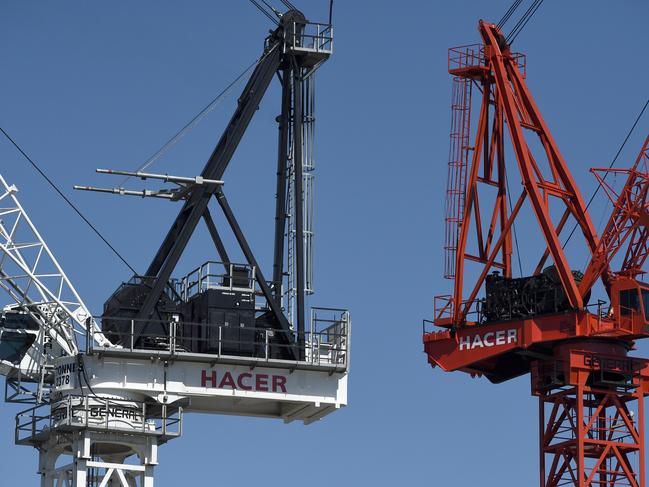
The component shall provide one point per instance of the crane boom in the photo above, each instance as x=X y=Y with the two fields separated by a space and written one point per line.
x=629 y=220
x=43 y=298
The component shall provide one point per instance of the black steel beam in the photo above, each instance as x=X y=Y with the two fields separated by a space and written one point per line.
x=216 y=238
x=222 y=154
x=299 y=206
x=259 y=276
x=284 y=121
x=181 y=230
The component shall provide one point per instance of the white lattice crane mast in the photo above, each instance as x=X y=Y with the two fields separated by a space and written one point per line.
x=219 y=340
x=46 y=318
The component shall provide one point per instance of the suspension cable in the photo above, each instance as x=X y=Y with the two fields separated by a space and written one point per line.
x=194 y=121
x=628 y=135
x=66 y=199
x=289 y=5
x=272 y=9
x=509 y=13
x=264 y=11
x=529 y=13
x=522 y=19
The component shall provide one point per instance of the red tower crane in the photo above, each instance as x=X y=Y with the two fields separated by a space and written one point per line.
x=590 y=390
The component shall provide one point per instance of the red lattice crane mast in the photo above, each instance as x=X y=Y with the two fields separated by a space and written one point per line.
x=590 y=390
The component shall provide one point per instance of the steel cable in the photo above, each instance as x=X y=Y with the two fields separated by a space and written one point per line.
x=628 y=135
x=272 y=9
x=289 y=5
x=529 y=13
x=264 y=11
x=193 y=122
x=513 y=7
x=67 y=200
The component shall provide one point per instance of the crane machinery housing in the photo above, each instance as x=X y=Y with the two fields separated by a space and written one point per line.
x=107 y=391
x=590 y=390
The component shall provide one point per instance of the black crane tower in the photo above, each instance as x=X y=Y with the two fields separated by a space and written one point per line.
x=141 y=311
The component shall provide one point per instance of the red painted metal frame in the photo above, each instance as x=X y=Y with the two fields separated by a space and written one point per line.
x=506 y=100
x=488 y=356
x=583 y=449
x=629 y=219
x=578 y=360
x=589 y=434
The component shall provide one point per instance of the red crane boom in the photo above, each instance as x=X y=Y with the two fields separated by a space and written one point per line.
x=629 y=219
x=541 y=323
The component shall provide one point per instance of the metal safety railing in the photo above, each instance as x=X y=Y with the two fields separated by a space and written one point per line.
x=99 y=413
x=469 y=56
x=329 y=336
x=473 y=56
x=623 y=321
x=537 y=303
x=169 y=290
x=444 y=308
x=325 y=342
x=217 y=275
x=310 y=37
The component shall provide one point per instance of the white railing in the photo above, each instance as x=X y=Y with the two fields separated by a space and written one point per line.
x=76 y=411
x=310 y=37
x=326 y=341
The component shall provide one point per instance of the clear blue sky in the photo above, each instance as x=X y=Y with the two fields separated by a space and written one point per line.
x=104 y=84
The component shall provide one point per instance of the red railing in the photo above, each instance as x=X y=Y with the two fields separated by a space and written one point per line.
x=473 y=56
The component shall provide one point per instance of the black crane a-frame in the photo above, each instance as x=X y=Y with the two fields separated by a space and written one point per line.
x=292 y=55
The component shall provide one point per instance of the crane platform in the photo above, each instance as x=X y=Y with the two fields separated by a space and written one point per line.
x=504 y=350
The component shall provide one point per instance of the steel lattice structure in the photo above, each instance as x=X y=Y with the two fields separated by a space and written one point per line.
x=590 y=391
x=37 y=285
